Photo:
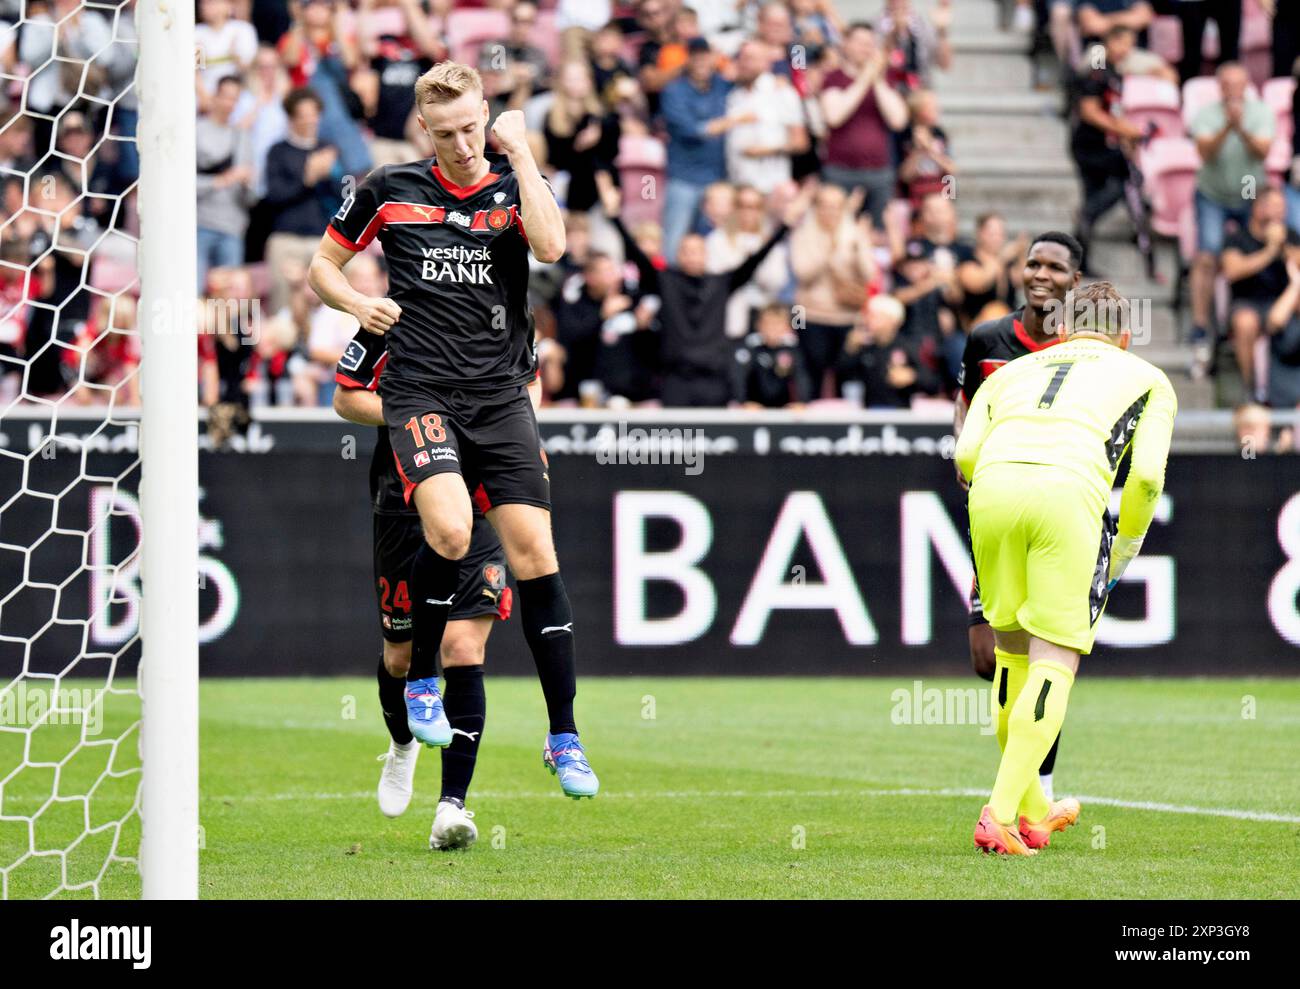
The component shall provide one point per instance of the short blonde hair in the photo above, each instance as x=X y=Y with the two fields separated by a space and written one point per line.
x=447 y=82
x=1097 y=308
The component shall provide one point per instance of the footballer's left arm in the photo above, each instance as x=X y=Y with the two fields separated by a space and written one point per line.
x=538 y=210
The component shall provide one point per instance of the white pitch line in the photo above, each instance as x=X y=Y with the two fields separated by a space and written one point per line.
x=1154 y=807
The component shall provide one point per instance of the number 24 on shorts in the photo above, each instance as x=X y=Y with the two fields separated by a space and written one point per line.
x=433 y=429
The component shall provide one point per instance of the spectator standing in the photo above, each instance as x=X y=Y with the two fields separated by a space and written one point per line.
x=923 y=147
x=663 y=54
x=831 y=257
x=740 y=235
x=303 y=181
x=759 y=153
x=387 y=85
x=1097 y=18
x=989 y=279
x=695 y=111
x=224 y=158
x=769 y=371
x=226 y=45
x=861 y=110
x=1254 y=262
x=696 y=352
x=516 y=54
x=915 y=46
x=1232 y=136
x=581 y=136
x=1195 y=14
x=1102 y=139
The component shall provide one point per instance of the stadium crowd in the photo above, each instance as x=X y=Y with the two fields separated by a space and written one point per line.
x=680 y=138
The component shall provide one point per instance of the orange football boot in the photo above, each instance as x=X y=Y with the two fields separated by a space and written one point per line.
x=990 y=836
x=1061 y=816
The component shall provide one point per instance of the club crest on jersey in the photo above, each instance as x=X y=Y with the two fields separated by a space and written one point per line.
x=494 y=576
x=498 y=218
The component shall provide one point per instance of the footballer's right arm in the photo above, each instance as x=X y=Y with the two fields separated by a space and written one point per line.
x=325 y=276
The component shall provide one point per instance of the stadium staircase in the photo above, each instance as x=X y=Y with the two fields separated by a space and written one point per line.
x=1012 y=147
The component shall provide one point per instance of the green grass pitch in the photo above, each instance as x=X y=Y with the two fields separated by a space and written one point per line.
x=767 y=788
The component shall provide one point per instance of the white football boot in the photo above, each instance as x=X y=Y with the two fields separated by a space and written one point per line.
x=396 y=782
x=453 y=826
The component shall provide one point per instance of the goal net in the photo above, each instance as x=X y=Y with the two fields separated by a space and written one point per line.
x=98 y=470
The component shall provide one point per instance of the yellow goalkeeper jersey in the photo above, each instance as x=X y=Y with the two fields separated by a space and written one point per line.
x=1079 y=405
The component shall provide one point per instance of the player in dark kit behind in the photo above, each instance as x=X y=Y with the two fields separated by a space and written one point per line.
x=481 y=599
x=457 y=230
x=1052 y=271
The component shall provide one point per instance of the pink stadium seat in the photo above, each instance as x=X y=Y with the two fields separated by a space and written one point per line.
x=1165 y=38
x=384 y=20
x=1278 y=94
x=1169 y=166
x=1200 y=92
x=468 y=29
x=111 y=276
x=546 y=36
x=1257 y=41
x=1147 y=100
x=642 y=167
x=1279 y=159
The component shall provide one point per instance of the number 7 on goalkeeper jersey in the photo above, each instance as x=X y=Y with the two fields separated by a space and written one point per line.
x=1042 y=443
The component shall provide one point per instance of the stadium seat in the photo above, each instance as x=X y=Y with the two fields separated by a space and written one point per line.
x=1256 y=52
x=642 y=157
x=259 y=278
x=1279 y=94
x=468 y=29
x=546 y=36
x=1200 y=92
x=1149 y=100
x=1169 y=166
x=1279 y=159
x=110 y=275
x=381 y=21
x=1165 y=38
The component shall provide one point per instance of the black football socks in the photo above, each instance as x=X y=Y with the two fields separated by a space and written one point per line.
x=466 y=705
x=548 y=628
x=393 y=704
x=433 y=587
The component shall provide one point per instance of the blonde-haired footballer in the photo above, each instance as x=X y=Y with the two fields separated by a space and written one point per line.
x=1042 y=442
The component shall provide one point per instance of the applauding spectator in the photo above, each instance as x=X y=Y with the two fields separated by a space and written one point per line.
x=1254 y=262
x=861 y=110
x=831 y=256
x=926 y=164
x=759 y=152
x=915 y=46
x=225 y=172
x=885 y=369
x=1233 y=137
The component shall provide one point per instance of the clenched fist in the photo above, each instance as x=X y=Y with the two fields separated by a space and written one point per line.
x=510 y=132
x=376 y=315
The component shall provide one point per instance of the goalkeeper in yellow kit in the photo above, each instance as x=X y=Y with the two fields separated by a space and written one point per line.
x=1042 y=443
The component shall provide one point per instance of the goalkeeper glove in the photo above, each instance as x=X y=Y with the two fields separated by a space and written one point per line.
x=1122 y=553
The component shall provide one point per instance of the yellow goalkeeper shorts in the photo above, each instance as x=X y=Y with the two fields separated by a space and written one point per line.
x=1042 y=538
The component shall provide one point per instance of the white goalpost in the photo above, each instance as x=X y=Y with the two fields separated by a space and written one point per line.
x=169 y=477
x=99 y=520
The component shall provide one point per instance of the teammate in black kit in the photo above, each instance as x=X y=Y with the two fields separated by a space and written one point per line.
x=481 y=598
x=1052 y=270
x=457 y=230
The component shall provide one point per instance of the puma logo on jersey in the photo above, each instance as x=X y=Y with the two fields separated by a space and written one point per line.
x=558 y=628
x=433 y=601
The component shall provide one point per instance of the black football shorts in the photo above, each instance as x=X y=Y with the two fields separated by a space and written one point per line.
x=482 y=589
x=490 y=440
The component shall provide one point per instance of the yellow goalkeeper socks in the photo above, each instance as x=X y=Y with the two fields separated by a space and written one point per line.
x=1009 y=674
x=1036 y=718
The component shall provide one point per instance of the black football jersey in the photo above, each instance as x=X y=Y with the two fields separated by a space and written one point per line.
x=360 y=366
x=990 y=345
x=457 y=263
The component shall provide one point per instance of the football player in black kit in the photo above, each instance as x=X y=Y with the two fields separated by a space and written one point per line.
x=481 y=599
x=1052 y=270
x=456 y=231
